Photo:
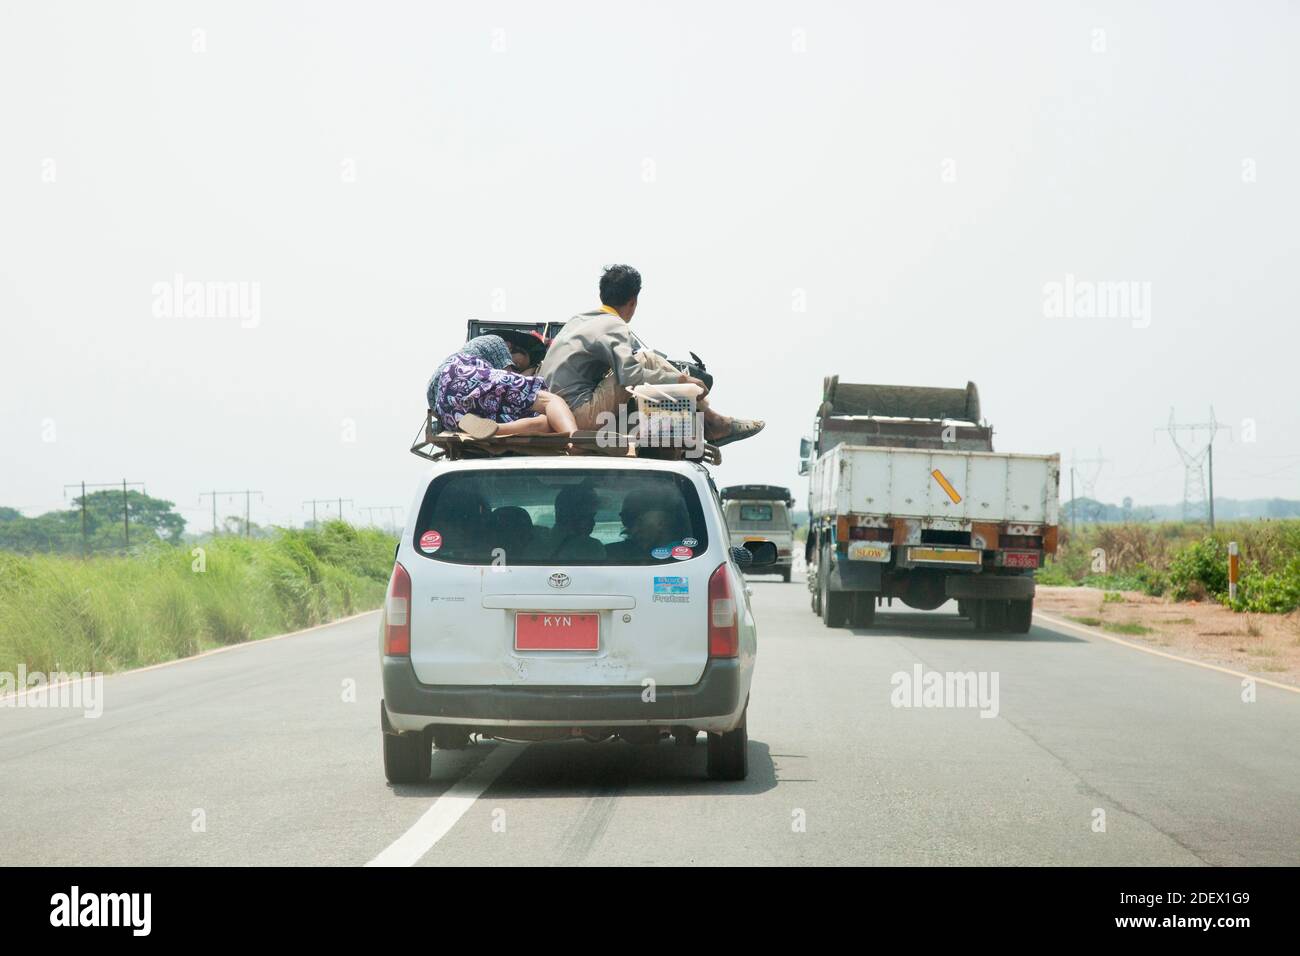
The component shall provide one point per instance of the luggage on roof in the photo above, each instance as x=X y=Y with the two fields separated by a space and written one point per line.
x=435 y=445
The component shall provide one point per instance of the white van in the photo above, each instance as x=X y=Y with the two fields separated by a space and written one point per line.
x=762 y=513
x=541 y=598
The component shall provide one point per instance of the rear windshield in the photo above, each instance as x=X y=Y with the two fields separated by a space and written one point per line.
x=757 y=515
x=549 y=516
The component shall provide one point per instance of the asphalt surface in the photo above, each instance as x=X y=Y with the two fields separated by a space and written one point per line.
x=260 y=755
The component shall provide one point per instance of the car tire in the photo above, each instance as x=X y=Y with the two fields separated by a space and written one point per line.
x=450 y=738
x=729 y=752
x=408 y=757
x=1020 y=616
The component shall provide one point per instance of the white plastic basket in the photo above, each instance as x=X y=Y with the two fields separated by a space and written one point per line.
x=667 y=415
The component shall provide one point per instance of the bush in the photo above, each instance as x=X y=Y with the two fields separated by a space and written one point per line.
x=1275 y=593
x=1199 y=570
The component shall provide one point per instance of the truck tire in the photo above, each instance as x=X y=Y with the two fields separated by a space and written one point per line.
x=729 y=753
x=991 y=616
x=785 y=575
x=864 y=608
x=1020 y=616
x=834 y=604
x=408 y=757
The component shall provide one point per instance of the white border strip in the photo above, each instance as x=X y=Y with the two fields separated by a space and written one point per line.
x=1093 y=632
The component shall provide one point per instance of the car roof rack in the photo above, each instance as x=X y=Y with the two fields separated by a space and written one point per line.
x=434 y=445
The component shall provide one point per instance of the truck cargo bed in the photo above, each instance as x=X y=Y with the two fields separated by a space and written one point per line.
x=956 y=485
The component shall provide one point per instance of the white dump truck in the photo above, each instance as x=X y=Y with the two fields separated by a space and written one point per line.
x=908 y=500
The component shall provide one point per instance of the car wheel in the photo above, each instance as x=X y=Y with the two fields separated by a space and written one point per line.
x=450 y=738
x=1020 y=616
x=407 y=757
x=729 y=753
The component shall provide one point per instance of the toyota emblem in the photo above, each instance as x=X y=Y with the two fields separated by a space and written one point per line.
x=559 y=580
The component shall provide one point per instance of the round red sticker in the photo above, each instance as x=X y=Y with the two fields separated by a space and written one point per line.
x=681 y=552
x=430 y=541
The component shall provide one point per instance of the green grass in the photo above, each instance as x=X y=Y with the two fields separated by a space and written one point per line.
x=1087 y=621
x=113 y=613
x=1126 y=627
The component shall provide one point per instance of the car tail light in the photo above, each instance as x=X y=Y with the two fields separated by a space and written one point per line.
x=724 y=630
x=397 y=614
x=860 y=533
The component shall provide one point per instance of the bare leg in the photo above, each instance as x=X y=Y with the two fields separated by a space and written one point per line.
x=556 y=411
x=536 y=425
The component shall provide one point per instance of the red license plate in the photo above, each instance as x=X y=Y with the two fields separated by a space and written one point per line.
x=1020 y=559
x=551 y=631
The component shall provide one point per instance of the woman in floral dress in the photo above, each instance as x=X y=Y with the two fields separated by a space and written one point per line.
x=477 y=390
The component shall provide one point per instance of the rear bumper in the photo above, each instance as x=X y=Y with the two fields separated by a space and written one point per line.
x=411 y=705
x=1015 y=587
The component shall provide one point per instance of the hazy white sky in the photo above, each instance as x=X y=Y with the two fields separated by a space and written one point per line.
x=911 y=175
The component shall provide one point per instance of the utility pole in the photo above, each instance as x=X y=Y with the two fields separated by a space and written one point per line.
x=248 y=496
x=1073 y=502
x=126 y=510
x=325 y=501
x=1195 y=504
x=391 y=509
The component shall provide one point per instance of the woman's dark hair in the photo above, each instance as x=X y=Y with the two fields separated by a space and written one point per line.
x=619 y=286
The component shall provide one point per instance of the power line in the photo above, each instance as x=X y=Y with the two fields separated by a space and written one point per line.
x=317 y=501
x=391 y=509
x=126 y=508
x=1197 y=503
x=248 y=495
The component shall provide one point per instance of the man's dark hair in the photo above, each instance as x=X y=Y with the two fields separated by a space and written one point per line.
x=619 y=286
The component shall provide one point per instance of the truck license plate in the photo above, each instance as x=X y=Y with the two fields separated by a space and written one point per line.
x=1020 y=559
x=550 y=631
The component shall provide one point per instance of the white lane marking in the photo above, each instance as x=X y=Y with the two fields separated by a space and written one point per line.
x=1093 y=632
x=438 y=820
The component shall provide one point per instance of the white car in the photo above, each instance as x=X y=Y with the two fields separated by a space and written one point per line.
x=550 y=598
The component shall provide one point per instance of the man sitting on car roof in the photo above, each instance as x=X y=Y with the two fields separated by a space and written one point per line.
x=592 y=362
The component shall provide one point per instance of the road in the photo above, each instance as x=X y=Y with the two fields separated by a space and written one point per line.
x=260 y=755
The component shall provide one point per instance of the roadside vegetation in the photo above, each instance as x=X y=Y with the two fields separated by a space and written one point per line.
x=165 y=600
x=1185 y=562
